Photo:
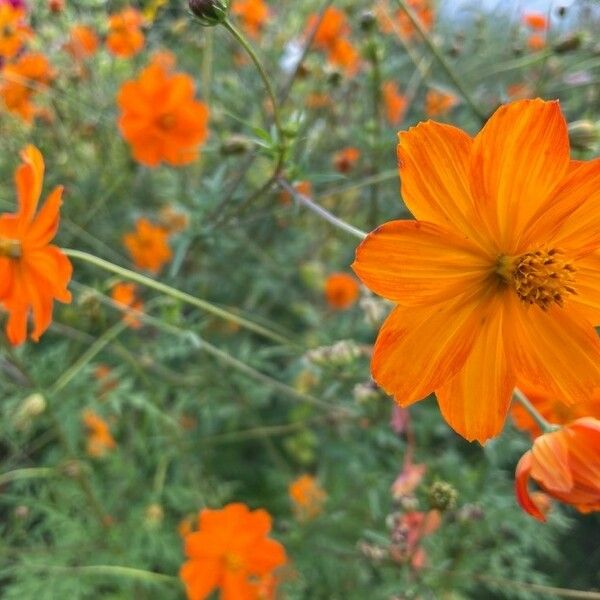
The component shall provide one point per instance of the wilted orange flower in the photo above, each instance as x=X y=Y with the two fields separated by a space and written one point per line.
x=13 y=30
x=409 y=479
x=254 y=14
x=230 y=552
x=395 y=103
x=566 y=465
x=497 y=281
x=83 y=42
x=553 y=409
x=33 y=273
x=536 y=42
x=100 y=440
x=159 y=116
x=397 y=21
x=344 y=56
x=308 y=497
x=333 y=26
x=125 y=294
x=21 y=80
x=173 y=220
x=302 y=187
x=148 y=246
x=56 y=6
x=409 y=529
x=439 y=103
x=345 y=160
x=107 y=381
x=535 y=21
x=519 y=91
x=341 y=290
x=316 y=100
x=125 y=37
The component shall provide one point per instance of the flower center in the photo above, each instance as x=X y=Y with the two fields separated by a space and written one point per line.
x=233 y=562
x=166 y=121
x=542 y=277
x=10 y=248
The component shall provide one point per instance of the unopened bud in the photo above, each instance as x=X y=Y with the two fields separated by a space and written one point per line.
x=584 y=135
x=154 y=515
x=236 y=144
x=31 y=407
x=341 y=353
x=367 y=20
x=442 y=496
x=209 y=12
x=568 y=43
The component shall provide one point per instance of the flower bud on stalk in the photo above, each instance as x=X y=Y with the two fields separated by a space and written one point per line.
x=209 y=12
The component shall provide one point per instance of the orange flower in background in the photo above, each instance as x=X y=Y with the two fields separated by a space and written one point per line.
x=173 y=220
x=33 y=273
x=341 y=290
x=344 y=56
x=423 y=10
x=125 y=37
x=345 y=160
x=21 y=80
x=83 y=42
x=439 y=103
x=254 y=15
x=536 y=42
x=302 y=187
x=519 y=91
x=333 y=26
x=307 y=496
x=148 y=246
x=231 y=552
x=408 y=531
x=160 y=118
x=100 y=441
x=497 y=281
x=14 y=33
x=535 y=21
x=125 y=295
x=409 y=478
x=395 y=103
x=566 y=465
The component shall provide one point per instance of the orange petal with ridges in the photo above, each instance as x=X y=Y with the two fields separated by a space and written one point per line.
x=28 y=178
x=522 y=476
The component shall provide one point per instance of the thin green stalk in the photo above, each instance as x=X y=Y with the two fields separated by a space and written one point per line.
x=544 y=425
x=116 y=571
x=452 y=75
x=167 y=290
x=21 y=474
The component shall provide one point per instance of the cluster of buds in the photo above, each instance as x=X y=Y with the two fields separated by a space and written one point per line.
x=374 y=309
x=210 y=12
x=366 y=392
x=442 y=496
x=372 y=552
x=341 y=353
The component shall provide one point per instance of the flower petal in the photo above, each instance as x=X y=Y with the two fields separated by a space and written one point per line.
x=522 y=476
x=45 y=224
x=29 y=177
x=518 y=158
x=550 y=462
x=475 y=401
x=587 y=299
x=200 y=577
x=413 y=262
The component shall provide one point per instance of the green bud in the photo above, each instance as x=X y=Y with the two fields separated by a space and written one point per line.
x=584 y=135
x=236 y=144
x=442 y=496
x=367 y=20
x=209 y=12
x=568 y=43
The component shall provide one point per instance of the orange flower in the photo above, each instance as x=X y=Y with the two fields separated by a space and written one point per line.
x=345 y=160
x=20 y=82
x=439 y=103
x=56 y=6
x=341 y=290
x=253 y=13
x=409 y=529
x=125 y=38
x=497 y=281
x=316 y=101
x=100 y=440
x=302 y=187
x=519 y=91
x=33 y=273
x=231 y=551
x=566 y=465
x=395 y=103
x=424 y=12
x=308 y=497
x=344 y=55
x=159 y=116
x=409 y=479
x=186 y=526
x=535 y=21
x=333 y=26
x=173 y=220
x=148 y=246
x=536 y=42
x=13 y=30
x=83 y=42
x=125 y=294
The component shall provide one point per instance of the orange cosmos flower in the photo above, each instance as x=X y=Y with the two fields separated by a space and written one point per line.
x=125 y=38
x=56 y=6
x=33 y=273
x=308 y=497
x=230 y=552
x=498 y=279
x=536 y=42
x=254 y=14
x=535 y=21
x=125 y=295
x=566 y=465
x=302 y=187
x=13 y=30
x=159 y=116
x=83 y=42
x=439 y=103
x=20 y=82
x=344 y=56
x=341 y=290
x=100 y=440
x=395 y=103
x=345 y=160
x=148 y=246
x=424 y=12
x=333 y=26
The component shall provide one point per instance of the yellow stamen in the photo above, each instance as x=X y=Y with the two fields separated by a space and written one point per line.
x=541 y=277
x=233 y=562
x=10 y=248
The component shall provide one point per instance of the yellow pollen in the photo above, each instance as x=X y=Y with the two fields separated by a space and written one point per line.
x=233 y=562
x=166 y=121
x=10 y=248
x=542 y=277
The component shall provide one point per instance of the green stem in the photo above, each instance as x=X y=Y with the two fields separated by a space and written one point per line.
x=20 y=474
x=114 y=570
x=522 y=399
x=452 y=75
x=177 y=294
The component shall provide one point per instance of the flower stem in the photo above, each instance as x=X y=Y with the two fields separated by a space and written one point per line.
x=522 y=399
x=178 y=295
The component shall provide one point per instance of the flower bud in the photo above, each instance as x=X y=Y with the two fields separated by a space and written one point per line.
x=442 y=496
x=568 y=43
x=209 y=12
x=584 y=135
